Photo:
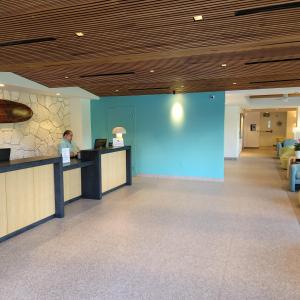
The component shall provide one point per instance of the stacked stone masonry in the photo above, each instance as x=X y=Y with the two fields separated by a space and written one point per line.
x=42 y=133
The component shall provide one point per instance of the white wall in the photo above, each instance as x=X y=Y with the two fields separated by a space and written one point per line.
x=291 y=123
x=251 y=138
x=278 y=123
x=81 y=122
x=241 y=98
x=231 y=131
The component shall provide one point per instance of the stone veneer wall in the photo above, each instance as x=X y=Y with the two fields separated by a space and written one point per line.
x=41 y=134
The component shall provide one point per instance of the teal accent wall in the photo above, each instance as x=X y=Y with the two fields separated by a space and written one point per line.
x=171 y=135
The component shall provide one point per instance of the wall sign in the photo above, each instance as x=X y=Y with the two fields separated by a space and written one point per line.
x=66 y=156
x=253 y=127
x=14 y=112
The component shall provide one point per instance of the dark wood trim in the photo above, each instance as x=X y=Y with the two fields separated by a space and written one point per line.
x=114 y=189
x=128 y=167
x=26 y=163
x=31 y=226
x=72 y=200
x=59 y=189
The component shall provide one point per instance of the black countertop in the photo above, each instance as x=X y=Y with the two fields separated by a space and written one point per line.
x=112 y=149
x=29 y=162
x=108 y=149
x=77 y=163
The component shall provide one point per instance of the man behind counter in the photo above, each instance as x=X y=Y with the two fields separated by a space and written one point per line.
x=66 y=142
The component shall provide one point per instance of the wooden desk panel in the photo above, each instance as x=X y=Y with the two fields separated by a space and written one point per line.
x=44 y=191
x=21 y=209
x=3 y=214
x=72 y=184
x=113 y=170
x=33 y=199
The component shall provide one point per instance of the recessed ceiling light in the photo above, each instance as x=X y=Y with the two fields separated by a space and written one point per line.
x=224 y=65
x=198 y=18
x=57 y=94
x=234 y=83
x=2 y=85
x=182 y=86
x=151 y=71
x=79 y=33
x=66 y=77
x=116 y=91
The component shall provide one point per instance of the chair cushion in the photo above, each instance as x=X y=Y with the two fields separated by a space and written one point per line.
x=284 y=157
x=287 y=152
x=289 y=143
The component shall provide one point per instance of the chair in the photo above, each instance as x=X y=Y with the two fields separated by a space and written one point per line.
x=285 y=154
x=291 y=160
x=286 y=143
x=294 y=176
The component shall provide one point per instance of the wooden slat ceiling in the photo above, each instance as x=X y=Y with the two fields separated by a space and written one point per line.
x=261 y=50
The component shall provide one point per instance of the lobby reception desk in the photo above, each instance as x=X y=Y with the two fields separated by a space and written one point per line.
x=34 y=190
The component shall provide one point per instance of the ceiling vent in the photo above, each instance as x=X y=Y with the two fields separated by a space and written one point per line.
x=149 y=89
x=107 y=74
x=274 y=81
x=269 y=8
x=26 y=42
x=271 y=61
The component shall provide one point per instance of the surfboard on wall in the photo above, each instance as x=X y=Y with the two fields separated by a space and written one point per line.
x=14 y=112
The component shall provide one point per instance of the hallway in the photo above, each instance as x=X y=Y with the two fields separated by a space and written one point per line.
x=166 y=239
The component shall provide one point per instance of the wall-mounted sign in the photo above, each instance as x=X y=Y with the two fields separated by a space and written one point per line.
x=253 y=127
x=66 y=156
x=14 y=112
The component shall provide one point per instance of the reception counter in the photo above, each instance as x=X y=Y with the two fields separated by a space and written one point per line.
x=34 y=190
x=30 y=193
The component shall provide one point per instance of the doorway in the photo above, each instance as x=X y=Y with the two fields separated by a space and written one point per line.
x=264 y=128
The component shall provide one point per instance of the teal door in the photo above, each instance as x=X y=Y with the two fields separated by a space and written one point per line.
x=123 y=117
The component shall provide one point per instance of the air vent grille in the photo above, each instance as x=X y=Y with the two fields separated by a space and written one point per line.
x=149 y=89
x=269 y=8
x=271 y=61
x=107 y=74
x=29 y=41
x=274 y=81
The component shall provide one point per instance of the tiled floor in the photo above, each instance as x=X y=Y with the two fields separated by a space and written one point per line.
x=166 y=239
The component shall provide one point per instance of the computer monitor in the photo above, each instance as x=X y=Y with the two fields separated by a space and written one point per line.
x=4 y=154
x=100 y=143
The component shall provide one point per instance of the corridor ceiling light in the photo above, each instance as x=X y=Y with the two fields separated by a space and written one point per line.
x=2 y=85
x=57 y=94
x=66 y=77
x=151 y=71
x=182 y=86
x=116 y=91
x=223 y=65
x=79 y=33
x=234 y=83
x=198 y=18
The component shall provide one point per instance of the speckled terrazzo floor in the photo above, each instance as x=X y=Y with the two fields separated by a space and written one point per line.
x=166 y=239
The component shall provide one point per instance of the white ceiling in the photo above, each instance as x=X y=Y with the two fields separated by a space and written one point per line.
x=15 y=82
x=241 y=98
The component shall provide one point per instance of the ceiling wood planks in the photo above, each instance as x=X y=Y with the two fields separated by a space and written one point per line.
x=138 y=47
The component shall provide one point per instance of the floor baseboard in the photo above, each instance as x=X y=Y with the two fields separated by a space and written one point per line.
x=191 y=178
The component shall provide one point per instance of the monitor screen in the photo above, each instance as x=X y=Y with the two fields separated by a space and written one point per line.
x=100 y=143
x=5 y=154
